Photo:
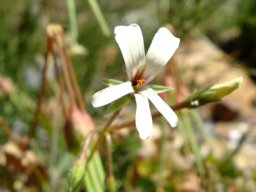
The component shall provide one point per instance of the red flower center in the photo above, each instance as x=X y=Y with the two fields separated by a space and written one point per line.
x=138 y=79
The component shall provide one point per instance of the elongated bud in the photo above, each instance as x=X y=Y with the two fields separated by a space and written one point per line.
x=213 y=93
x=76 y=174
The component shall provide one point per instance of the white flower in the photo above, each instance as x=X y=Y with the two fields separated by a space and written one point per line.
x=141 y=70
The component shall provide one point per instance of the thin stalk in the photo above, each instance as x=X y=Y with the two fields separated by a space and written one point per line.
x=74 y=81
x=198 y=124
x=154 y=114
x=63 y=63
x=99 y=16
x=33 y=124
x=72 y=19
x=102 y=131
x=53 y=155
x=85 y=147
x=110 y=180
x=194 y=145
x=61 y=87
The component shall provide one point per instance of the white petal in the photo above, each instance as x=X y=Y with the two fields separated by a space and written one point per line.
x=161 y=106
x=130 y=41
x=160 y=51
x=143 y=121
x=111 y=94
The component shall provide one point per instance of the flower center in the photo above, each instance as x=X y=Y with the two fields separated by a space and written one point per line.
x=137 y=83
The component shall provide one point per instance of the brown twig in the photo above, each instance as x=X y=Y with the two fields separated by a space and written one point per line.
x=33 y=124
x=61 y=87
x=74 y=81
x=60 y=44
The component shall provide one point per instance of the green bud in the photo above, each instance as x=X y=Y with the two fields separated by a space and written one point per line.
x=213 y=93
x=76 y=174
x=111 y=184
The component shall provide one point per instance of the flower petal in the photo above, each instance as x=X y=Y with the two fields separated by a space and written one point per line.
x=160 y=51
x=143 y=121
x=111 y=94
x=161 y=106
x=130 y=41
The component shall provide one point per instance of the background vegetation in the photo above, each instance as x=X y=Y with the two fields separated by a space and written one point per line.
x=173 y=160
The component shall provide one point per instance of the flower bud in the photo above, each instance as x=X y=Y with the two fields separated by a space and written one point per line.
x=213 y=93
x=76 y=174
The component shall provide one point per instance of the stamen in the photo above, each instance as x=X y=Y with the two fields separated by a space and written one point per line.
x=137 y=83
x=140 y=81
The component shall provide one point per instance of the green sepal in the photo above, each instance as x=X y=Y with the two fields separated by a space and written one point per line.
x=117 y=104
x=160 y=88
x=110 y=82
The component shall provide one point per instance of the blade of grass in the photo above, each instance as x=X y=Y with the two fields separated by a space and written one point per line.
x=198 y=124
x=195 y=148
x=72 y=19
x=99 y=16
x=94 y=178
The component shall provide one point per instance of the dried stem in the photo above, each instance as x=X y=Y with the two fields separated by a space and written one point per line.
x=74 y=81
x=63 y=61
x=33 y=124
x=85 y=146
x=61 y=86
